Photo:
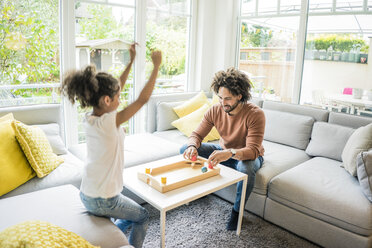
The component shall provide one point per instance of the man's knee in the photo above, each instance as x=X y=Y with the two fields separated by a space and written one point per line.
x=246 y=167
x=183 y=149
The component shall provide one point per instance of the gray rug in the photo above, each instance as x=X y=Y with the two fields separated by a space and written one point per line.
x=202 y=224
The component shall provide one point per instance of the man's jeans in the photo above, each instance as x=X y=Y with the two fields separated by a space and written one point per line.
x=126 y=211
x=249 y=167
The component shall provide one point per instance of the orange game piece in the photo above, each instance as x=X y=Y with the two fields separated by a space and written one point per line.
x=148 y=170
x=193 y=158
x=163 y=180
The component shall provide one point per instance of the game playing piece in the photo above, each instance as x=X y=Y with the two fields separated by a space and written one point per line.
x=163 y=180
x=193 y=158
x=204 y=169
x=210 y=166
x=148 y=170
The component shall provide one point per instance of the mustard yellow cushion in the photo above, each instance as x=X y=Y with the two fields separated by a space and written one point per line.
x=191 y=105
x=14 y=168
x=37 y=149
x=40 y=234
x=190 y=122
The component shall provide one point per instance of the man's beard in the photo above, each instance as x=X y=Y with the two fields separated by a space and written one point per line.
x=231 y=108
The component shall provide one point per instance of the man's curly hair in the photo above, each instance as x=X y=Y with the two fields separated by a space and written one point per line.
x=237 y=82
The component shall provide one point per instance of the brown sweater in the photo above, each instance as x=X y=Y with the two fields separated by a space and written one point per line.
x=243 y=131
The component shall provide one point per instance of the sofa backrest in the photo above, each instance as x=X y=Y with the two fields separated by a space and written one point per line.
x=354 y=121
x=37 y=114
x=317 y=114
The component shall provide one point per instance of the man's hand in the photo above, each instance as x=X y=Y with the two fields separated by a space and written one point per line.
x=190 y=152
x=219 y=156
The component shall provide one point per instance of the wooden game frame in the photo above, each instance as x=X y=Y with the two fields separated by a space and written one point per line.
x=184 y=172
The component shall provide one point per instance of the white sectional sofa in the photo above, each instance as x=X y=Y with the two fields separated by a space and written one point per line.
x=300 y=187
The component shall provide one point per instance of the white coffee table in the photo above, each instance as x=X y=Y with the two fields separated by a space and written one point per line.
x=172 y=199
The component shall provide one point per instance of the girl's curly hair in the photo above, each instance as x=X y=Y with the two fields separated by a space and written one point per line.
x=87 y=86
x=237 y=82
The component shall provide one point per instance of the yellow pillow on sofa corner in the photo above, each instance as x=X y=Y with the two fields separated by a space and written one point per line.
x=14 y=167
x=190 y=122
x=191 y=105
x=37 y=149
x=40 y=234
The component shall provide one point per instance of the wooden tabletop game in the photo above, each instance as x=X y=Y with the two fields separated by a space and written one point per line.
x=172 y=176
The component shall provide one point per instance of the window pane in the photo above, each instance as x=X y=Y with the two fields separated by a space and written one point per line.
x=349 y=5
x=103 y=36
x=267 y=7
x=337 y=67
x=248 y=7
x=168 y=33
x=29 y=52
x=320 y=6
x=267 y=54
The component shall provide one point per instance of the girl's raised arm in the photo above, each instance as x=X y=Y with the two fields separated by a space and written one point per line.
x=145 y=94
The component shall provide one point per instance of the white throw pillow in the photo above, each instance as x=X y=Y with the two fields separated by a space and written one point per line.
x=359 y=141
x=52 y=133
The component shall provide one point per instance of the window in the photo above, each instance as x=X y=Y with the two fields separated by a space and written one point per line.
x=167 y=29
x=337 y=70
x=29 y=52
x=319 y=57
x=268 y=47
x=104 y=32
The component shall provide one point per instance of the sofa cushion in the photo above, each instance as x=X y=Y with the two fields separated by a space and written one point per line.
x=277 y=158
x=61 y=206
x=37 y=149
x=14 y=167
x=353 y=121
x=166 y=115
x=359 y=141
x=45 y=234
x=328 y=140
x=322 y=189
x=364 y=172
x=191 y=105
x=188 y=123
x=288 y=129
x=69 y=172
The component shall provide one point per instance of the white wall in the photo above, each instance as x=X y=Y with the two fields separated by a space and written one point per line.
x=215 y=40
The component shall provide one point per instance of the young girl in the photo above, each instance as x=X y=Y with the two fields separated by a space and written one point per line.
x=102 y=181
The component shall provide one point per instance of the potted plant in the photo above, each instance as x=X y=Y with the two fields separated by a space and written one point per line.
x=364 y=54
x=321 y=45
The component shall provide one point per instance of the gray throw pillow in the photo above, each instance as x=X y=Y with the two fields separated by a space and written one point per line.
x=328 y=140
x=166 y=115
x=364 y=172
x=359 y=141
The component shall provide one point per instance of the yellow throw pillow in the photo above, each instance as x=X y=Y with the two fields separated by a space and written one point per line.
x=37 y=149
x=191 y=105
x=190 y=122
x=40 y=234
x=7 y=117
x=14 y=168
x=215 y=99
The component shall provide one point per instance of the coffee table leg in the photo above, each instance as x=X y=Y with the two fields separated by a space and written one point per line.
x=241 y=209
x=162 y=228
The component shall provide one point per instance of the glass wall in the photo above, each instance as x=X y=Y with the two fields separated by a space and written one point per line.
x=29 y=52
x=336 y=71
x=268 y=47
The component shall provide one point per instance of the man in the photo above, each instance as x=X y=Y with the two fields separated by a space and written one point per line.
x=241 y=126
